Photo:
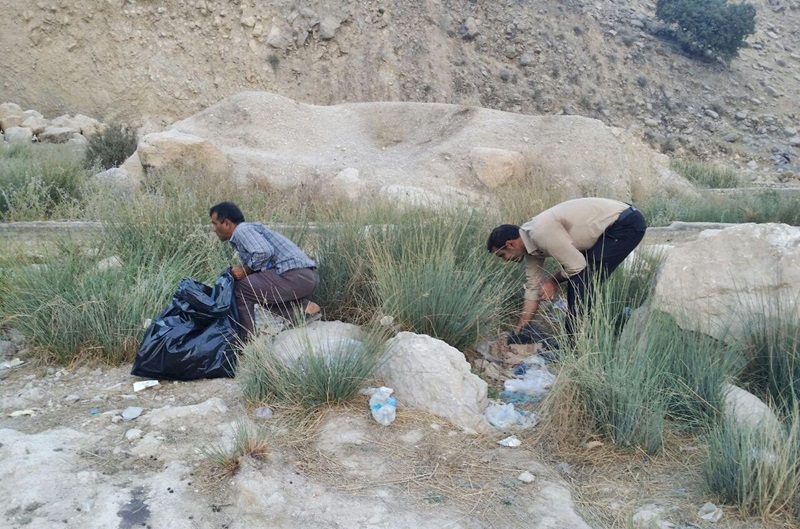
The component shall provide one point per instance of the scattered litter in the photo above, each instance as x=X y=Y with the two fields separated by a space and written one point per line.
x=147 y=323
x=765 y=456
x=11 y=363
x=593 y=444
x=94 y=411
x=383 y=406
x=516 y=397
x=536 y=382
x=264 y=412
x=131 y=412
x=710 y=513
x=503 y=416
x=526 y=477
x=144 y=384
x=387 y=321
x=21 y=413
x=511 y=442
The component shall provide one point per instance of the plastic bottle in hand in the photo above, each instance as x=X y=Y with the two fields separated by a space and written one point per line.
x=383 y=406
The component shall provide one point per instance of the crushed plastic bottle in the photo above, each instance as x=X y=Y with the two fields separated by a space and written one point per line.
x=383 y=406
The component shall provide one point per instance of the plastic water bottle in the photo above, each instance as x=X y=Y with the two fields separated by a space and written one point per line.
x=383 y=406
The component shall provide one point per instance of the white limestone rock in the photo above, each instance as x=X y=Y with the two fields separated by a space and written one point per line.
x=429 y=374
x=497 y=167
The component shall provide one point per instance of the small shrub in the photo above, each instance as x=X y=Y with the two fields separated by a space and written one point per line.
x=755 y=469
x=307 y=373
x=709 y=26
x=110 y=147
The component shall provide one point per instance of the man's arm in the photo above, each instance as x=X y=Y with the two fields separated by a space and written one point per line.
x=529 y=308
x=240 y=272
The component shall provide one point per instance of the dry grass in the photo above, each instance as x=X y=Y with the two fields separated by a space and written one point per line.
x=429 y=465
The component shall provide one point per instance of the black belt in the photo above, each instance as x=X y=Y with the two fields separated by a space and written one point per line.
x=624 y=214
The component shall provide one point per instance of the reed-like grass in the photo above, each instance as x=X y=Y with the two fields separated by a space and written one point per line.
x=40 y=182
x=247 y=440
x=709 y=176
x=305 y=371
x=756 y=469
x=71 y=308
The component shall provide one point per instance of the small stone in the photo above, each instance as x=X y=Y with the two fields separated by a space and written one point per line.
x=731 y=137
x=710 y=513
x=741 y=115
x=131 y=412
x=795 y=141
x=710 y=113
x=752 y=164
x=526 y=477
x=133 y=434
x=593 y=444
x=264 y=412
x=72 y=399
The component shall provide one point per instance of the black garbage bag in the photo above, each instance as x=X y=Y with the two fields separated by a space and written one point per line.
x=193 y=338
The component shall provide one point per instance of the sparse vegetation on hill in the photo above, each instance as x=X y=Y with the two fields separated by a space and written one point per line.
x=110 y=147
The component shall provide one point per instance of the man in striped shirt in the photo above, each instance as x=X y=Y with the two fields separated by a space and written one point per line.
x=275 y=273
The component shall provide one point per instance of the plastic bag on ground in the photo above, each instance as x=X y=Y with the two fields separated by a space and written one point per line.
x=536 y=381
x=192 y=338
x=504 y=416
x=383 y=406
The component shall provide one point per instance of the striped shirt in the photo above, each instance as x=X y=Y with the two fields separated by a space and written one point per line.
x=261 y=249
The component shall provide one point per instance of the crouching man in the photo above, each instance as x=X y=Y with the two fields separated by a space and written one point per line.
x=275 y=273
x=589 y=237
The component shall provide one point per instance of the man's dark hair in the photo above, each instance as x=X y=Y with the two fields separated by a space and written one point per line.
x=227 y=210
x=501 y=235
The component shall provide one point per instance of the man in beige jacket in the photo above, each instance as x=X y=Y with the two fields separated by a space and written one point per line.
x=589 y=237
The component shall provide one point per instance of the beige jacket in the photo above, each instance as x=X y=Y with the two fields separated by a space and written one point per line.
x=564 y=232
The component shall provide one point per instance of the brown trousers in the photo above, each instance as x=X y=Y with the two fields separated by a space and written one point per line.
x=280 y=293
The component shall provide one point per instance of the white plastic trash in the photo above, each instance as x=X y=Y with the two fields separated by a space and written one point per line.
x=383 y=406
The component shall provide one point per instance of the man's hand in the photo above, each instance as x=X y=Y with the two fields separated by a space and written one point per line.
x=238 y=272
x=549 y=289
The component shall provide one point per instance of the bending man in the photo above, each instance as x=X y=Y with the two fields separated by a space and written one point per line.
x=587 y=236
x=274 y=272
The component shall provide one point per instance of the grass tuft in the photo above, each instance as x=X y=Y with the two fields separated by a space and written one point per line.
x=707 y=176
x=110 y=147
x=304 y=371
x=247 y=440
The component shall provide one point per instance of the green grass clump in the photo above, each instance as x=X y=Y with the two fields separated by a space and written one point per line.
x=757 y=469
x=765 y=206
x=771 y=345
x=301 y=370
x=40 y=181
x=110 y=147
x=72 y=308
x=437 y=278
x=707 y=175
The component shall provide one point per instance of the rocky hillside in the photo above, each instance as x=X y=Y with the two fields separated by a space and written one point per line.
x=152 y=63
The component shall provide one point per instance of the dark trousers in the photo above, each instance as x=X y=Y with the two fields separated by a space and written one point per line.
x=279 y=293
x=616 y=243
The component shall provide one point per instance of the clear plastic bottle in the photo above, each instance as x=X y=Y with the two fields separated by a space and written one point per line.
x=383 y=406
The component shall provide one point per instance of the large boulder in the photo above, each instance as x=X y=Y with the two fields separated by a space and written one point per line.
x=11 y=115
x=712 y=284
x=426 y=147
x=748 y=411
x=429 y=374
x=53 y=134
x=19 y=136
x=174 y=149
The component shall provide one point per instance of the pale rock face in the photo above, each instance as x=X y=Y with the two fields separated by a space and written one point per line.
x=19 y=136
x=429 y=374
x=747 y=410
x=712 y=284
x=88 y=126
x=497 y=167
x=36 y=124
x=53 y=134
x=169 y=149
x=424 y=152
x=348 y=184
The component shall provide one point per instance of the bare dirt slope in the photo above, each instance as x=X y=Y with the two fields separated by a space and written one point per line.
x=155 y=62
